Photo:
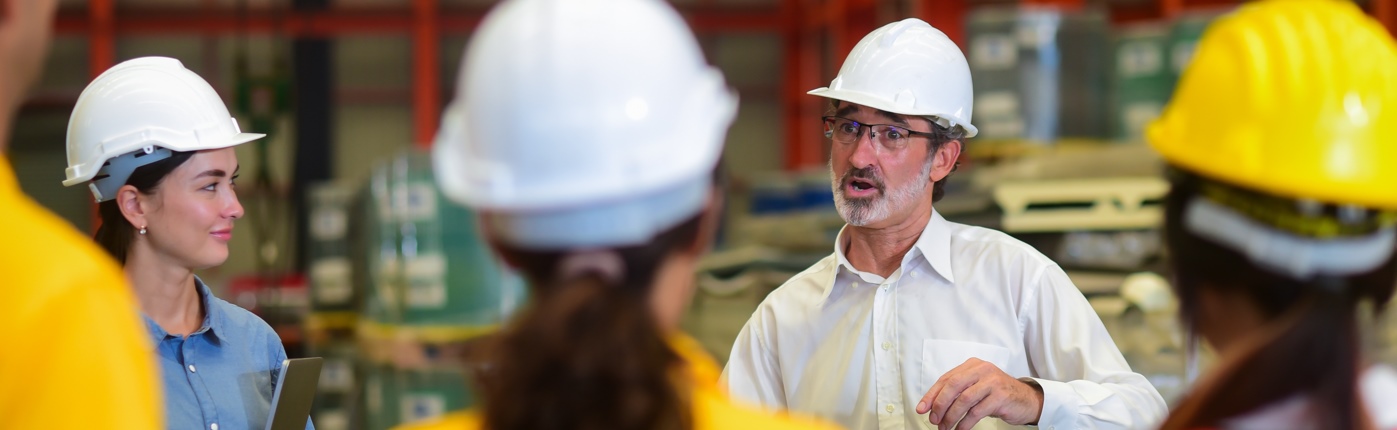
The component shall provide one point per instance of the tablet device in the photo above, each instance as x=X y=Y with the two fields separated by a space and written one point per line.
x=295 y=390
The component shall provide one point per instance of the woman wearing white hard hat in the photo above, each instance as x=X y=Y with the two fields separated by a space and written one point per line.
x=587 y=134
x=154 y=143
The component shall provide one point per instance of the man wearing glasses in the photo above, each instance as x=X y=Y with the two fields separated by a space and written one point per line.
x=915 y=320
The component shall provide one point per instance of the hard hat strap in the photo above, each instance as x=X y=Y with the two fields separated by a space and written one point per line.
x=116 y=171
x=1303 y=258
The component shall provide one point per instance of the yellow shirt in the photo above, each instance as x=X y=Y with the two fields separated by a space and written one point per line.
x=73 y=353
x=712 y=408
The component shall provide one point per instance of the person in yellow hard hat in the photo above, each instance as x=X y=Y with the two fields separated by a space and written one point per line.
x=1282 y=219
x=74 y=356
x=587 y=134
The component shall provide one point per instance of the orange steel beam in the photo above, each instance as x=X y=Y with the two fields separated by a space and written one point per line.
x=426 y=82
x=801 y=69
x=330 y=23
x=101 y=54
x=946 y=15
x=1386 y=13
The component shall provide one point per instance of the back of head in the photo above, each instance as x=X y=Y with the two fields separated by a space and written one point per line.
x=586 y=132
x=1280 y=139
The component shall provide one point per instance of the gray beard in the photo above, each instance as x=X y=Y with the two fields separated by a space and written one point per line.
x=861 y=212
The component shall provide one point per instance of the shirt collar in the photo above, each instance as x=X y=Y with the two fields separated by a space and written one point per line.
x=933 y=246
x=213 y=317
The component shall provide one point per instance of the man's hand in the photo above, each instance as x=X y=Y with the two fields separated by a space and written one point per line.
x=977 y=389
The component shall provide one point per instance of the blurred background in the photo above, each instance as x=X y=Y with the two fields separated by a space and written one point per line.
x=350 y=252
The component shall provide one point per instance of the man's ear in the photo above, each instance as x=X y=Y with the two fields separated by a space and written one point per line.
x=945 y=160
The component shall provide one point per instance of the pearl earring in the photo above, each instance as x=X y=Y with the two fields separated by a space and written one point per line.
x=143 y=230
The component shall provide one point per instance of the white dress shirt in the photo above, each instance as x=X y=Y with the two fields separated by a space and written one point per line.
x=862 y=350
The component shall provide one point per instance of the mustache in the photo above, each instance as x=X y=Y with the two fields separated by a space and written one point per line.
x=866 y=173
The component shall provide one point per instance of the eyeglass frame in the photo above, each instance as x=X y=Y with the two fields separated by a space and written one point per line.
x=828 y=121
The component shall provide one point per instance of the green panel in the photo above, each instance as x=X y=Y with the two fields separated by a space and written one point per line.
x=431 y=393
x=331 y=269
x=451 y=278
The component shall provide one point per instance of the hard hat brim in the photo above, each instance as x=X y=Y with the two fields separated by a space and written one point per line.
x=880 y=103
x=90 y=169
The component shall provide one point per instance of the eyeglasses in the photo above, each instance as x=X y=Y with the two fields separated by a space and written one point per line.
x=892 y=137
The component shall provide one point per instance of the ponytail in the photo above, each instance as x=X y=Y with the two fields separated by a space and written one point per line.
x=587 y=354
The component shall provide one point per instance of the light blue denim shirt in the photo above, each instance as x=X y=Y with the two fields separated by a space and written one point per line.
x=223 y=375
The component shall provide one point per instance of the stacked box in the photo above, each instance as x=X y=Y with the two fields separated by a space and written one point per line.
x=1141 y=79
x=1038 y=73
x=1183 y=38
x=336 y=395
x=450 y=276
x=331 y=268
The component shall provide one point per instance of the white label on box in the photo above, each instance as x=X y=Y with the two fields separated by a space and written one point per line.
x=993 y=52
x=332 y=280
x=426 y=281
x=1139 y=58
x=1039 y=31
x=415 y=201
x=328 y=224
x=422 y=406
x=388 y=281
x=332 y=419
x=1138 y=115
x=1001 y=103
x=1002 y=128
x=336 y=376
x=1183 y=54
x=374 y=398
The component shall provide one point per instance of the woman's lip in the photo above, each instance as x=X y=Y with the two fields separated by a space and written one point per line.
x=223 y=234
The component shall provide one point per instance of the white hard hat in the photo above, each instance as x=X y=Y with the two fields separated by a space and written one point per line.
x=908 y=68
x=583 y=122
x=138 y=111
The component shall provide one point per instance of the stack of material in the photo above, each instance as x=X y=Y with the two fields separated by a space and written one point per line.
x=1039 y=73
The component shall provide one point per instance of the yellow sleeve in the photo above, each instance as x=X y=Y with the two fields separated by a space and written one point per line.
x=77 y=357
x=460 y=420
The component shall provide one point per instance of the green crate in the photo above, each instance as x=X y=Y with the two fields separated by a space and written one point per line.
x=1184 y=35
x=331 y=267
x=449 y=275
x=431 y=393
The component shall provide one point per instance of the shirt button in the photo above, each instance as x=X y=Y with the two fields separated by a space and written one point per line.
x=853 y=285
x=890 y=407
x=213 y=426
x=887 y=346
x=191 y=370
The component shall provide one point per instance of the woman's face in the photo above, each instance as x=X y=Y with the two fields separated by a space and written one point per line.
x=191 y=214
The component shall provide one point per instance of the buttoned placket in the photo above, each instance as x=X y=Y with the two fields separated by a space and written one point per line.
x=187 y=348
x=887 y=365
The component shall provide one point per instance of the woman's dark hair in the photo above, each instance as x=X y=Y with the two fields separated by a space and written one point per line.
x=1315 y=350
x=116 y=234
x=587 y=354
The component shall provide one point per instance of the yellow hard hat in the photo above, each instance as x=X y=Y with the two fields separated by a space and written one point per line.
x=1294 y=98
